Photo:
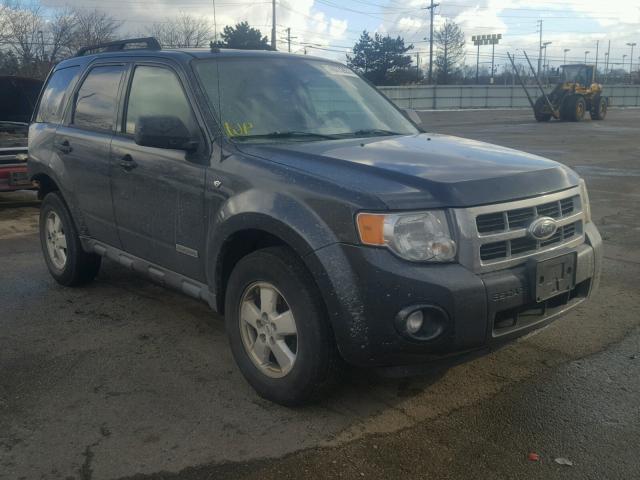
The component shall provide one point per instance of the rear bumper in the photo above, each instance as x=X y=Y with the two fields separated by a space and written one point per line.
x=371 y=285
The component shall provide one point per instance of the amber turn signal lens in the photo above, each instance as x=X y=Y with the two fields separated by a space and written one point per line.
x=371 y=228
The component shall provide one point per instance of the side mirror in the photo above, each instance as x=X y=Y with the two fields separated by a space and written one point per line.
x=412 y=115
x=165 y=131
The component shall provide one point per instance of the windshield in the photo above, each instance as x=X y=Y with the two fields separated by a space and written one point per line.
x=296 y=99
x=576 y=73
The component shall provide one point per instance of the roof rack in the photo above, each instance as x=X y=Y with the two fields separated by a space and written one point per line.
x=150 y=43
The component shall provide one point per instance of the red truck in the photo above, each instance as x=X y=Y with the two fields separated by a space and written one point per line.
x=18 y=97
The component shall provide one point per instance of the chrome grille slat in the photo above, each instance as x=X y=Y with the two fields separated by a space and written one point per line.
x=495 y=236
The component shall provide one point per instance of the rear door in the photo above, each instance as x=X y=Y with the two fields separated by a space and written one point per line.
x=158 y=194
x=83 y=144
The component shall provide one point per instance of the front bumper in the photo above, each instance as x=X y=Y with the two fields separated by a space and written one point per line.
x=365 y=288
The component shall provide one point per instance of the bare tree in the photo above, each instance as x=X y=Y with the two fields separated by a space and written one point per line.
x=5 y=32
x=182 y=32
x=38 y=43
x=62 y=30
x=450 y=51
x=93 y=27
x=25 y=28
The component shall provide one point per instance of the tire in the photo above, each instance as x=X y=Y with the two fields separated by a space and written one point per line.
x=599 y=108
x=67 y=262
x=576 y=108
x=538 y=110
x=312 y=363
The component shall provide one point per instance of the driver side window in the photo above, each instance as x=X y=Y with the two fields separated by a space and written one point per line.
x=157 y=91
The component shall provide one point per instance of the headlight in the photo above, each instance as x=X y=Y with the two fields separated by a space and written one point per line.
x=584 y=197
x=418 y=236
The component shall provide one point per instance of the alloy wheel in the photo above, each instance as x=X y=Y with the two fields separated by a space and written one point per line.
x=268 y=330
x=56 y=240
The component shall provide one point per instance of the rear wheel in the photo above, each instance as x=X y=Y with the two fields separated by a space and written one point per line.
x=67 y=262
x=599 y=108
x=278 y=328
x=539 y=110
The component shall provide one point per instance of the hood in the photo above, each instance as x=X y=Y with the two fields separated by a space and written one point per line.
x=425 y=170
x=18 y=97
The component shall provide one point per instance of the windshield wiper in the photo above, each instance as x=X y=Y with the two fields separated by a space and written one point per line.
x=287 y=134
x=370 y=132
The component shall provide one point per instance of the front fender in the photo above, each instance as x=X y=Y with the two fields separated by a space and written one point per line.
x=275 y=213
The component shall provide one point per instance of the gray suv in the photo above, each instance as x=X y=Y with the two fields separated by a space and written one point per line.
x=296 y=200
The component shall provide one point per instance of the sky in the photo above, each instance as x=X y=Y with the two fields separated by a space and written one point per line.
x=329 y=28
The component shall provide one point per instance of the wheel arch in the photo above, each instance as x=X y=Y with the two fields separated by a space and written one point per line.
x=243 y=234
x=46 y=184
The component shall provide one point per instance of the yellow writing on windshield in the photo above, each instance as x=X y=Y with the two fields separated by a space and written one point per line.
x=238 y=129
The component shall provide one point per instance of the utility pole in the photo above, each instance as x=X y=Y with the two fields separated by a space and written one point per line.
x=289 y=38
x=431 y=9
x=493 y=57
x=273 y=26
x=495 y=39
x=631 y=59
x=597 y=50
x=417 y=66
x=606 y=68
x=540 y=49
x=565 y=55
x=545 y=65
x=476 y=41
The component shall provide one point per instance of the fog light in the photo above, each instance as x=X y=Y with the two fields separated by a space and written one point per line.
x=422 y=322
x=414 y=322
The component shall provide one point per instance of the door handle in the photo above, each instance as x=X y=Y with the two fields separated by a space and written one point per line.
x=64 y=146
x=128 y=163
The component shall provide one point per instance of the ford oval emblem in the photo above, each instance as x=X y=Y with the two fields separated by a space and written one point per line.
x=542 y=228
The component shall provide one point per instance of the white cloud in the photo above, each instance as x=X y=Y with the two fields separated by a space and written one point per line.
x=337 y=28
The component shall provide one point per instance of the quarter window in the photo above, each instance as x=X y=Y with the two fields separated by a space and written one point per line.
x=156 y=91
x=97 y=99
x=51 y=104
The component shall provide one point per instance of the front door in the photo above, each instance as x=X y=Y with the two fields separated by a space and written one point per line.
x=158 y=194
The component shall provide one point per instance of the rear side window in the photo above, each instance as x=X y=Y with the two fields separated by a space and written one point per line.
x=96 y=101
x=51 y=103
x=156 y=91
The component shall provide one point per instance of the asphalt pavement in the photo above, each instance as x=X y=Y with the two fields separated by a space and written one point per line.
x=126 y=379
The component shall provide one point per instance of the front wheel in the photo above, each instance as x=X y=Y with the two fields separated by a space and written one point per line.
x=67 y=262
x=539 y=110
x=278 y=328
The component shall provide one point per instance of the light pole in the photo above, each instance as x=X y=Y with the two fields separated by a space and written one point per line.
x=565 y=54
x=545 y=67
x=587 y=52
x=492 y=40
x=631 y=57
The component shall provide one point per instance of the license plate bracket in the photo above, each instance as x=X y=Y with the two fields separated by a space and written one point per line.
x=555 y=276
x=19 y=179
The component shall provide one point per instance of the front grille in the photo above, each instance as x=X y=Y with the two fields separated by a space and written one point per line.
x=494 y=222
x=8 y=156
x=525 y=245
x=495 y=236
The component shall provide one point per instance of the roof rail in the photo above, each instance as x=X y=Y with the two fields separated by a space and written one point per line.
x=150 y=44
